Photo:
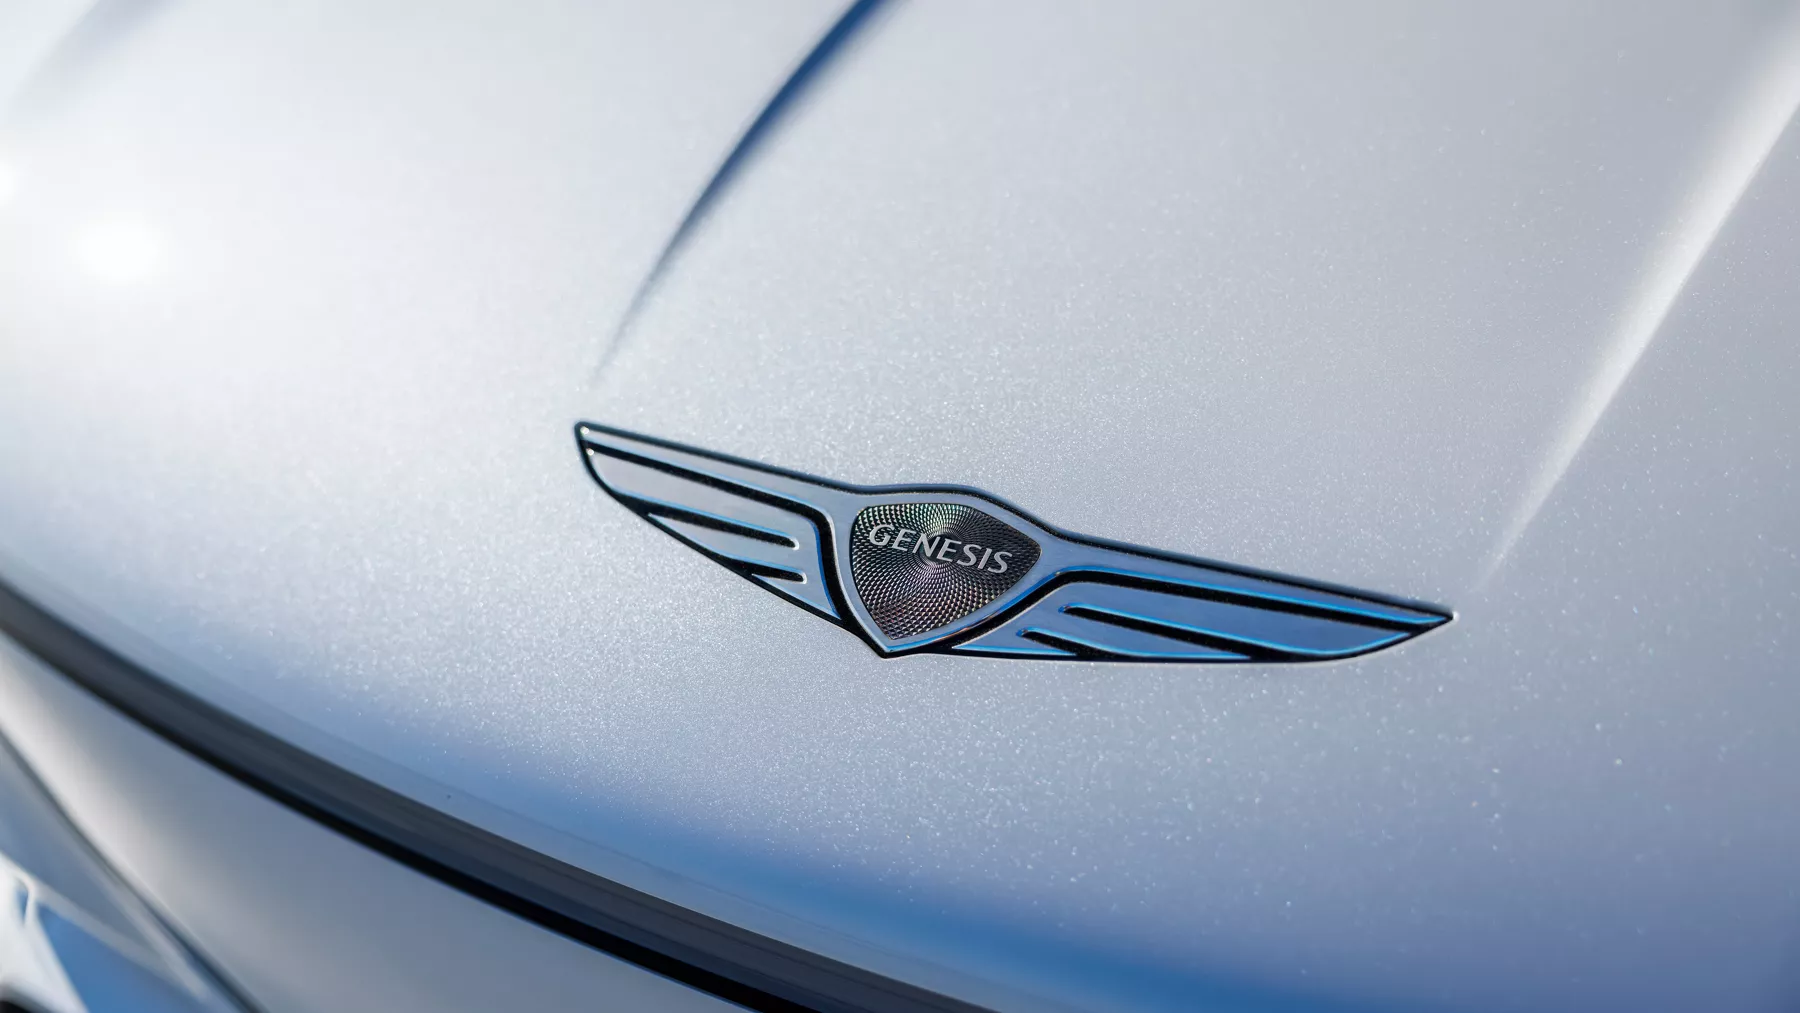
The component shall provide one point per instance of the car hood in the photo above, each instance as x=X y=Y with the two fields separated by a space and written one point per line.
x=1464 y=306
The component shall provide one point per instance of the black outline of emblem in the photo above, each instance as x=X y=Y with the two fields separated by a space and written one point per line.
x=785 y=531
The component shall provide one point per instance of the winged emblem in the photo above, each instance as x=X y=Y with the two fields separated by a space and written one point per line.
x=954 y=570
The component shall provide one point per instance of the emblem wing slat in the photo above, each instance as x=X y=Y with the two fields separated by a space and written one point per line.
x=1035 y=647
x=948 y=569
x=703 y=502
x=746 y=481
x=752 y=552
x=1202 y=581
x=1155 y=619
x=1086 y=638
x=731 y=525
x=772 y=566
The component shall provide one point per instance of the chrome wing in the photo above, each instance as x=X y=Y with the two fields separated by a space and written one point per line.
x=1081 y=598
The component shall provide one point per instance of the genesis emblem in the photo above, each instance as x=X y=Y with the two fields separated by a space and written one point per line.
x=956 y=571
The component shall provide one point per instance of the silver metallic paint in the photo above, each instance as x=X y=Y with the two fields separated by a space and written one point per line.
x=306 y=920
x=1351 y=271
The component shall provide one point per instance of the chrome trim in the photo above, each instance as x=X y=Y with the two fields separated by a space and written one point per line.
x=1084 y=598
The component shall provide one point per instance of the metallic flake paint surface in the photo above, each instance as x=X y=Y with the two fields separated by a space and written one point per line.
x=277 y=898
x=1312 y=291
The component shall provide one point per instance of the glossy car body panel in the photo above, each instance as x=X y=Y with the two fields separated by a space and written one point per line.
x=73 y=938
x=1485 y=307
x=279 y=898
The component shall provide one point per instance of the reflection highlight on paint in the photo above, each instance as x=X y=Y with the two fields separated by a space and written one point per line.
x=1758 y=117
x=119 y=250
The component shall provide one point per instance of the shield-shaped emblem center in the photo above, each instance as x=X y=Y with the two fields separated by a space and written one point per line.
x=922 y=566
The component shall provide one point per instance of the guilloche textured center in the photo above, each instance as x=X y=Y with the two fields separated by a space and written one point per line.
x=921 y=566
